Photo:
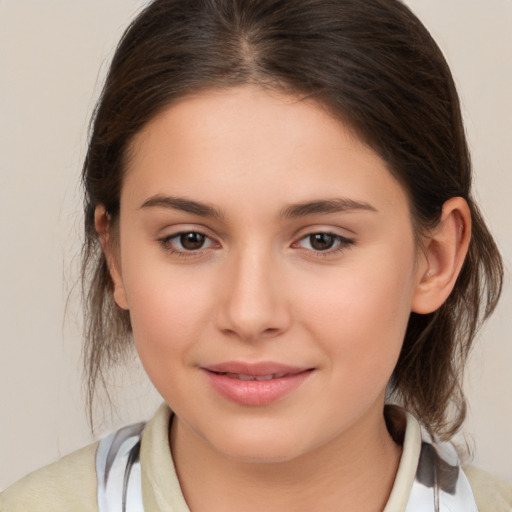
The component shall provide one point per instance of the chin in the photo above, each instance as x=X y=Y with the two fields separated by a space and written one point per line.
x=258 y=449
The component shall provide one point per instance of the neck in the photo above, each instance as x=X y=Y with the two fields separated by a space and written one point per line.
x=354 y=471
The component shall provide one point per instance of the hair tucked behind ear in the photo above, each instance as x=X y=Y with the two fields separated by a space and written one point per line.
x=428 y=377
x=370 y=62
x=107 y=328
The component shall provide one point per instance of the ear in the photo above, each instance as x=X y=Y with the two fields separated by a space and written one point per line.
x=103 y=226
x=444 y=252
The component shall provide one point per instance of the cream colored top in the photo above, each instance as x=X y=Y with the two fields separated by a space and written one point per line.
x=70 y=484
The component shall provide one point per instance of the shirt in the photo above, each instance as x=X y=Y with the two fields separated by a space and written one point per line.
x=71 y=483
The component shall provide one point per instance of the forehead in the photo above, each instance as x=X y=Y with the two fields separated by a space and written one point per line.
x=256 y=144
x=246 y=116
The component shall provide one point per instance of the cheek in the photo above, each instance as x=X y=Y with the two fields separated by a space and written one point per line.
x=360 y=316
x=169 y=311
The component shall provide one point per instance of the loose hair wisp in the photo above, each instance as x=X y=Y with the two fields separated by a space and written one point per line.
x=372 y=64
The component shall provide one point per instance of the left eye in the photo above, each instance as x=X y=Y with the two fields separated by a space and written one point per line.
x=322 y=241
x=188 y=241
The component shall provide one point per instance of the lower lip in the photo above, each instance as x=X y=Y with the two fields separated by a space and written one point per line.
x=256 y=392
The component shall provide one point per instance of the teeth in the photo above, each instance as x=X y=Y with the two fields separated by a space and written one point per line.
x=264 y=377
x=244 y=377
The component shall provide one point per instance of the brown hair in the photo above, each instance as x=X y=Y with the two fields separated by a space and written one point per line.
x=371 y=63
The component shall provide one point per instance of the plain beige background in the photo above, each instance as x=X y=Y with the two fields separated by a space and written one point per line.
x=53 y=55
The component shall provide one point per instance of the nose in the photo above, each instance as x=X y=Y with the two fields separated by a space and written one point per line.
x=253 y=301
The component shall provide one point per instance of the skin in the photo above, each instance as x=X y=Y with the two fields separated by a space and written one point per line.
x=258 y=289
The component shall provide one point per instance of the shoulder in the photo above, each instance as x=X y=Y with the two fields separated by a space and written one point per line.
x=491 y=493
x=68 y=484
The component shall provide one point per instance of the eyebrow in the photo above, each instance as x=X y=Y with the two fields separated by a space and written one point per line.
x=185 y=205
x=325 y=206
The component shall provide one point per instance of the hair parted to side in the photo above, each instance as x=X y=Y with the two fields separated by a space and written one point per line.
x=371 y=63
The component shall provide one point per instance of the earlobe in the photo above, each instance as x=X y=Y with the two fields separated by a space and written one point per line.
x=443 y=256
x=103 y=226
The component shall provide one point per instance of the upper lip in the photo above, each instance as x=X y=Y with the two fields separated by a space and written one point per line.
x=255 y=369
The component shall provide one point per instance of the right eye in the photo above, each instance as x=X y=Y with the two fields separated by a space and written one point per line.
x=187 y=242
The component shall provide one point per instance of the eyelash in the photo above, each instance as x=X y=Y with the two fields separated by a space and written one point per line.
x=167 y=244
x=342 y=244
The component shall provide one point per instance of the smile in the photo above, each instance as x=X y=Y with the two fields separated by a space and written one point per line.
x=241 y=376
x=255 y=385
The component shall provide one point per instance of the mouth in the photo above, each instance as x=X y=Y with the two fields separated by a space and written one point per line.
x=265 y=369
x=255 y=384
x=242 y=376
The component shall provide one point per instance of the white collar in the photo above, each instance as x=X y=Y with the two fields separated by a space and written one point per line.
x=429 y=476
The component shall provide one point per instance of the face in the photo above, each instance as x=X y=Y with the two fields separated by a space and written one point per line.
x=268 y=262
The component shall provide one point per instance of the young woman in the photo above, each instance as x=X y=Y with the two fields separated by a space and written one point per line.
x=279 y=217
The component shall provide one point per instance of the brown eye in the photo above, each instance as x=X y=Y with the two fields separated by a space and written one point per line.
x=322 y=241
x=192 y=241
x=187 y=243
